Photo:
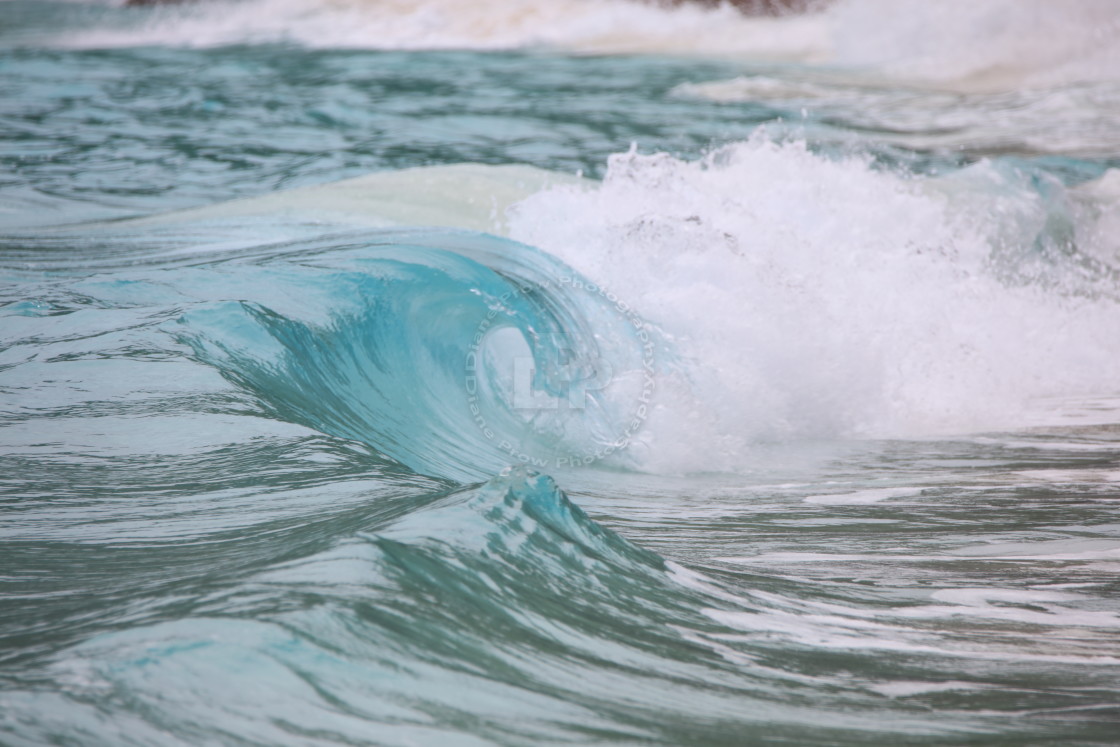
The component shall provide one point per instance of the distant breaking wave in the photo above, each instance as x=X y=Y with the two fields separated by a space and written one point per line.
x=991 y=45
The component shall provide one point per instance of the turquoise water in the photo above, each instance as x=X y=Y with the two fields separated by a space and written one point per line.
x=586 y=373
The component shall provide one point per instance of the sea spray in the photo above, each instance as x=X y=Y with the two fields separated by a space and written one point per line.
x=818 y=298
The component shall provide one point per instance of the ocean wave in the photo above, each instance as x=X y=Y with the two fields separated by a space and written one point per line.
x=791 y=296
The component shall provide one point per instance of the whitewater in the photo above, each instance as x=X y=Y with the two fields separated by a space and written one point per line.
x=513 y=372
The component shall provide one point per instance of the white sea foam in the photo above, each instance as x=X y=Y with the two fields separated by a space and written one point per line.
x=822 y=298
x=856 y=633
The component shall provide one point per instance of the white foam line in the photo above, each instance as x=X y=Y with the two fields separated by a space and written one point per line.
x=807 y=557
x=1074 y=476
x=862 y=497
x=808 y=630
x=905 y=689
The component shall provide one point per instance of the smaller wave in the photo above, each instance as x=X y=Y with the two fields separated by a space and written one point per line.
x=507 y=600
x=504 y=598
x=523 y=518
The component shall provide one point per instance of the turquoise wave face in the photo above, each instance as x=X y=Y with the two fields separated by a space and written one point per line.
x=450 y=353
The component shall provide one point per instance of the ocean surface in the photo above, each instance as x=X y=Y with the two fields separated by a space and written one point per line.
x=559 y=372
